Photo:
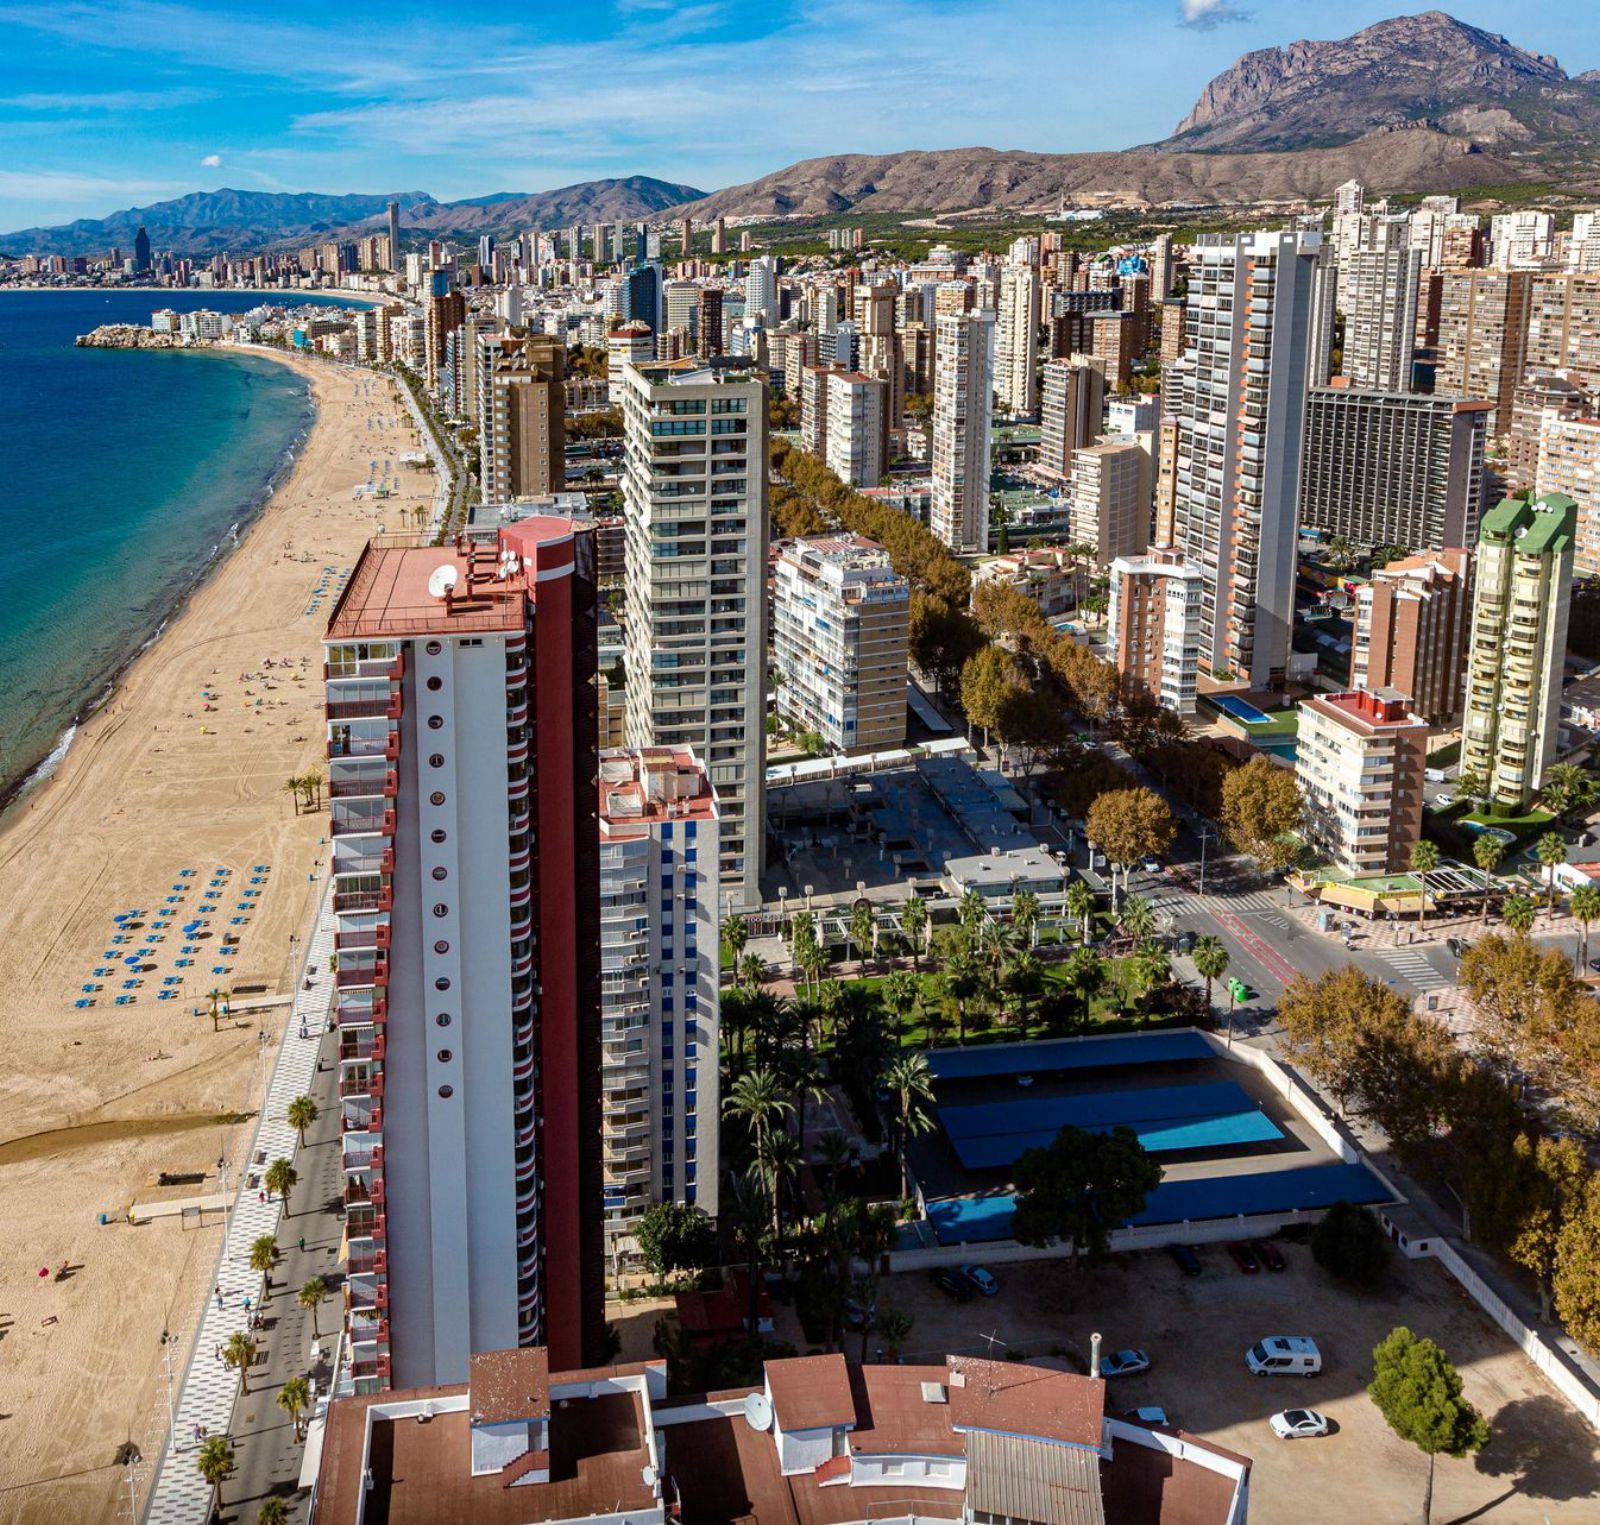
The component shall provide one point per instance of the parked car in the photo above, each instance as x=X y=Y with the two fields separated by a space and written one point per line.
x=1298 y=1424
x=1443 y=801
x=1269 y=1254
x=1243 y=1258
x=857 y=1316
x=981 y=1279
x=1456 y=945
x=1124 y=1363
x=1433 y=775
x=1151 y=1415
x=1188 y=1262
x=1594 y=964
x=1240 y=991
x=948 y=1279
x=1284 y=1355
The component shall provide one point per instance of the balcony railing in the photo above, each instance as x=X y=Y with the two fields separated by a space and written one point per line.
x=386 y=783
x=377 y=707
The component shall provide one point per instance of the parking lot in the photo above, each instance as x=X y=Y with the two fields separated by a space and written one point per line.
x=1542 y=1464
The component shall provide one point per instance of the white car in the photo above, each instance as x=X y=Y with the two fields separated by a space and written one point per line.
x=1443 y=801
x=1123 y=1363
x=1299 y=1424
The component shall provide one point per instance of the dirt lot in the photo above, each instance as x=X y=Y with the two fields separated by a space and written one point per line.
x=1543 y=1463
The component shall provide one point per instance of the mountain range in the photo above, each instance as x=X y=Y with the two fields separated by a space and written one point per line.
x=1417 y=103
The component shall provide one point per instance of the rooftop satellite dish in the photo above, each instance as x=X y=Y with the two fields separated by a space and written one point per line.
x=758 y=1412
x=442 y=581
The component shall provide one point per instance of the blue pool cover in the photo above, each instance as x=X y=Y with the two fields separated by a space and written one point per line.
x=1066 y=1054
x=979 y=1220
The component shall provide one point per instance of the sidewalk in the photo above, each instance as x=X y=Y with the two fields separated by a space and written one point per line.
x=179 y=1495
x=1382 y=933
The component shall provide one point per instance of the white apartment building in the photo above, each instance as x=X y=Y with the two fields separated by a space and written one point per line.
x=761 y=289
x=963 y=400
x=695 y=493
x=1379 y=285
x=839 y=636
x=1240 y=408
x=857 y=427
x=1017 y=363
x=1359 y=762
x=1519 y=642
x=1521 y=240
x=1154 y=624
x=659 y=980
x=631 y=344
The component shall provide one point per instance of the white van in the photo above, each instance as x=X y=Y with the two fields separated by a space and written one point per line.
x=1284 y=1355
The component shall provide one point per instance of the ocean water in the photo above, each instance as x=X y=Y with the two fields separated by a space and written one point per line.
x=123 y=475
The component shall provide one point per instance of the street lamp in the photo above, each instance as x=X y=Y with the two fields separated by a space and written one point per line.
x=1206 y=835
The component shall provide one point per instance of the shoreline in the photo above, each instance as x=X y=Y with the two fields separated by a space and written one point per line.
x=38 y=772
x=337 y=294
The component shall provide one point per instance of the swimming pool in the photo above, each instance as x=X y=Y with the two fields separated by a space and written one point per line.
x=1238 y=709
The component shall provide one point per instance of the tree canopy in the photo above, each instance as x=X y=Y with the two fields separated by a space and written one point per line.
x=1261 y=809
x=1081 y=1186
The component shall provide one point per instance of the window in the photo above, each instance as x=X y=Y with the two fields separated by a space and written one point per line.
x=434 y=648
x=439 y=834
x=441 y=909
x=435 y=722
x=443 y=1019
x=436 y=760
x=446 y=1092
x=441 y=946
x=441 y=872
x=437 y=797
x=445 y=1056
x=442 y=983
x=435 y=684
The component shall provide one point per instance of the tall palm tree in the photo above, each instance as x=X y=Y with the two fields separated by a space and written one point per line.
x=963 y=979
x=1552 y=853
x=273 y=1511
x=752 y=1210
x=1424 y=860
x=1586 y=907
x=996 y=940
x=1081 y=903
x=1138 y=920
x=750 y=971
x=863 y=932
x=1487 y=853
x=1151 y=967
x=833 y=1150
x=894 y=1329
x=1519 y=912
x=214 y=1462
x=1210 y=961
x=294 y=1398
x=801 y=1071
x=282 y=1178
x=239 y=1352
x=757 y=1099
x=900 y=992
x=909 y=1082
x=313 y=782
x=301 y=1113
x=802 y=930
x=1025 y=916
x=736 y=934
x=779 y=1160
x=310 y=1298
x=263 y=1257
x=296 y=786
x=814 y=964
x=1086 y=974
x=1023 y=979
x=971 y=911
x=914 y=923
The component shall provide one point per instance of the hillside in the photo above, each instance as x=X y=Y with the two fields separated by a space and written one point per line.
x=1426 y=68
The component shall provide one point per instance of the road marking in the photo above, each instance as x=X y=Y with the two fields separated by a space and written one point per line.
x=1414 y=968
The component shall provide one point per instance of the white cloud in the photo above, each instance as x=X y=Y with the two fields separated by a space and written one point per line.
x=211 y=161
x=1203 y=15
x=63 y=188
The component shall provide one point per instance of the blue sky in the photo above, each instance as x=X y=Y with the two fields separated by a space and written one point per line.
x=111 y=103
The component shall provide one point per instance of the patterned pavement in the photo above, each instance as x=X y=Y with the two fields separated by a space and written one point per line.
x=180 y=1496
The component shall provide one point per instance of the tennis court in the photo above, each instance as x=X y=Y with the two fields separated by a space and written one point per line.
x=991 y=1135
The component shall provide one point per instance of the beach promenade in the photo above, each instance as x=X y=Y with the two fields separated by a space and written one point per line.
x=178 y=780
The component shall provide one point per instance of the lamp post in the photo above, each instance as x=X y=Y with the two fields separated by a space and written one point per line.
x=1206 y=835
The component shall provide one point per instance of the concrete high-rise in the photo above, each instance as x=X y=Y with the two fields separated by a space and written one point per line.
x=394 y=235
x=839 y=634
x=1380 y=312
x=659 y=1004
x=521 y=416
x=1241 y=411
x=1073 y=410
x=963 y=397
x=1519 y=642
x=708 y=321
x=630 y=344
x=1109 y=494
x=1393 y=468
x=1569 y=464
x=856 y=421
x=1154 y=625
x=1017 y=350
x=461 y=744
x=695 y=491
x=1483 y=333
x=141 y=250
x=1411 y=627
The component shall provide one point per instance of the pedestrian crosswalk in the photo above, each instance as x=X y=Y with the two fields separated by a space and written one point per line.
x=1414 y=968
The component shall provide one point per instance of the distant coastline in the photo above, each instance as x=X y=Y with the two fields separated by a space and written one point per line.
x=285 y=298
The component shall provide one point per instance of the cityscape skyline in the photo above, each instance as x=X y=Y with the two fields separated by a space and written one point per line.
x=224 y=97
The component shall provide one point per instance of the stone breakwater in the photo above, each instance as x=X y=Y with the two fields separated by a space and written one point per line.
x=132 y=336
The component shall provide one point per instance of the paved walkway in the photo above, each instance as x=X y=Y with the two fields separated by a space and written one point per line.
x=180 y=1496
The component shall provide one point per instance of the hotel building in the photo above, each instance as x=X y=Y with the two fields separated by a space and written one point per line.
x=1411 y=627
x=695 y=489
x=659 y=941
x=1073 y=410
x=839 y=632
x=461 y=744
x=1154 y=625
x=1519 y=642
x=963 y=398
x=1360 y=759
x=521 y=397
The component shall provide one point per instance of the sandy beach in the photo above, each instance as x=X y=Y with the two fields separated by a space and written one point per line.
x=170 y=804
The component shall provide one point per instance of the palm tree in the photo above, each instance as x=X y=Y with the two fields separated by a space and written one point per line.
x=802 y=1072
x=1151 y=967
x=1424 y=860
x=750 y=971
x=996 y=940
x=1086 y=974
x=1081 y=903
x=963 y=978
x=910 y=1082
x=802 y=930
x=1025 y=916
x=310 y=1298
x=313 y=786
x=736 y=934
x=779 y=1159
x=833 y=1150
x=273 y=1511
x=239 y=1352
x=1586 y=907
x=1552 y=853
x=1565 y=785
x=1210 y=961
x=914 y=923
x=758 y=1101
x=1138 y=920
x=830 y=1005
x=301 y=1113
x=900 y=992
x=294 y=1398
x=1023 y=978
x=971 y=912
x=282 y=1178
x=263 y=1257
x=1487 y=852
x=751 y=1212
x=1469 y=786
x=894 y=1329
x=814 y=965
x=863 y=931
x=1519 y=912
x=214 y=1462
x=296 y=786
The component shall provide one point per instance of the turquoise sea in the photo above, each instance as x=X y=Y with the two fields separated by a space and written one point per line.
x=123 y=475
